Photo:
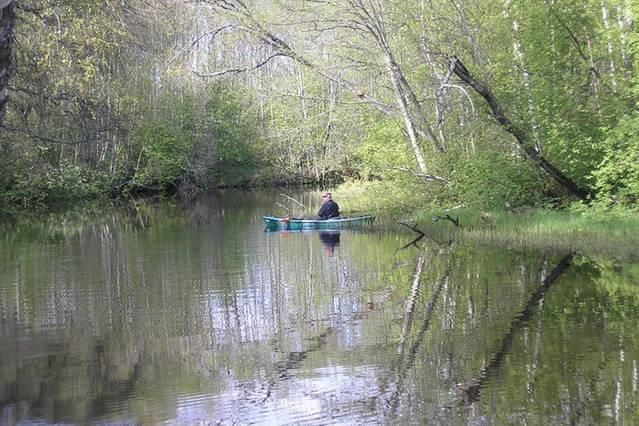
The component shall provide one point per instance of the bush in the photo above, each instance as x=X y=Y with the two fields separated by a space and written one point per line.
x=491 y=180
x=617 y=177
x=163 y=155
x=66 y=182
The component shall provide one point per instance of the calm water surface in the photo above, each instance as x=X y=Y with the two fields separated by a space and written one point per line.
x=166 y=314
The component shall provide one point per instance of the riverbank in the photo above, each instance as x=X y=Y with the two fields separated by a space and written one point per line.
x=611 y=233
x=594 y=233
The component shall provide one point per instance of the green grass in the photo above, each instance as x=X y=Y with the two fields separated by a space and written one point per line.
x=600 y=233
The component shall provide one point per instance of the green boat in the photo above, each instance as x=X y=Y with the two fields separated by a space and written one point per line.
x=294 y=224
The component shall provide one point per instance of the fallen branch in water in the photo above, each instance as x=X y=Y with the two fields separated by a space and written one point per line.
x=412 y=243
x=412 y=227
x=448 y=217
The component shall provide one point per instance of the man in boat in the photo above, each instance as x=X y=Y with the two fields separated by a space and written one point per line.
x=329 y=207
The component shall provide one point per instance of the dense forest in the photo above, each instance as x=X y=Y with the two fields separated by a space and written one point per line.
x=441 y=102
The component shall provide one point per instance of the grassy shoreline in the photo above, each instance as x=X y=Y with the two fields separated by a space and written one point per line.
x=591 y=233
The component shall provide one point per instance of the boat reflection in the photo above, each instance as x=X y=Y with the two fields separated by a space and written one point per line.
x=330 y=238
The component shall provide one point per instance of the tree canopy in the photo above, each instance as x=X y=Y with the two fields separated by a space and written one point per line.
x=472 y=101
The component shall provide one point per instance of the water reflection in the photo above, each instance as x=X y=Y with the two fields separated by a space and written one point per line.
x=330 y=240
x=471 y=393
x=187 y=314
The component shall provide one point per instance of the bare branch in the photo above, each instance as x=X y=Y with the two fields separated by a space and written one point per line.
x=455 y=220
x=239 y=70
x=33 y=135
x=424 y=176
x=284 y=49
x=412 y=226
x=441 y=92
x=470 y=100
x=213 y=33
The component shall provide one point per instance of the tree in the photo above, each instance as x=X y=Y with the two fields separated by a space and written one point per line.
x=7 y=18
x=120 y=90
x=367 y=33
x=352 y=24
x=531 y=151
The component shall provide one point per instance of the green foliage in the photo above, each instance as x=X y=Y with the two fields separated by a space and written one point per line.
x=382 y=151
x=203 y=142
x=307 y=139
x=617 y=178
x=64 y=57
x=401 y=194
x=163 y=154
x=64 y=183
x=111 y=89
x=232 y=126
x=564 y=84
x=495 y=180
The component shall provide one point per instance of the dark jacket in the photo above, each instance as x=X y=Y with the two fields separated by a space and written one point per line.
x=328 y=210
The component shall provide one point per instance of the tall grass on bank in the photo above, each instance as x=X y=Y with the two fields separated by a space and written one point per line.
x=591 y=233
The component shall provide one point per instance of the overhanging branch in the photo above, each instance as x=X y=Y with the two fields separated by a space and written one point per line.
x=239 y=70
x=212 y=33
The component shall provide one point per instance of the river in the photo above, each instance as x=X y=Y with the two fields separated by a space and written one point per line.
x=166 y=313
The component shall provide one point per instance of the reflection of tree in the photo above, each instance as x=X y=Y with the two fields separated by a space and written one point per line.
x=195 y=318
x=406 y=358
x=114 y=389
x=406 y=361
x=82 y=316
x=472 y=392
x=285 y=368
x=64 y=378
